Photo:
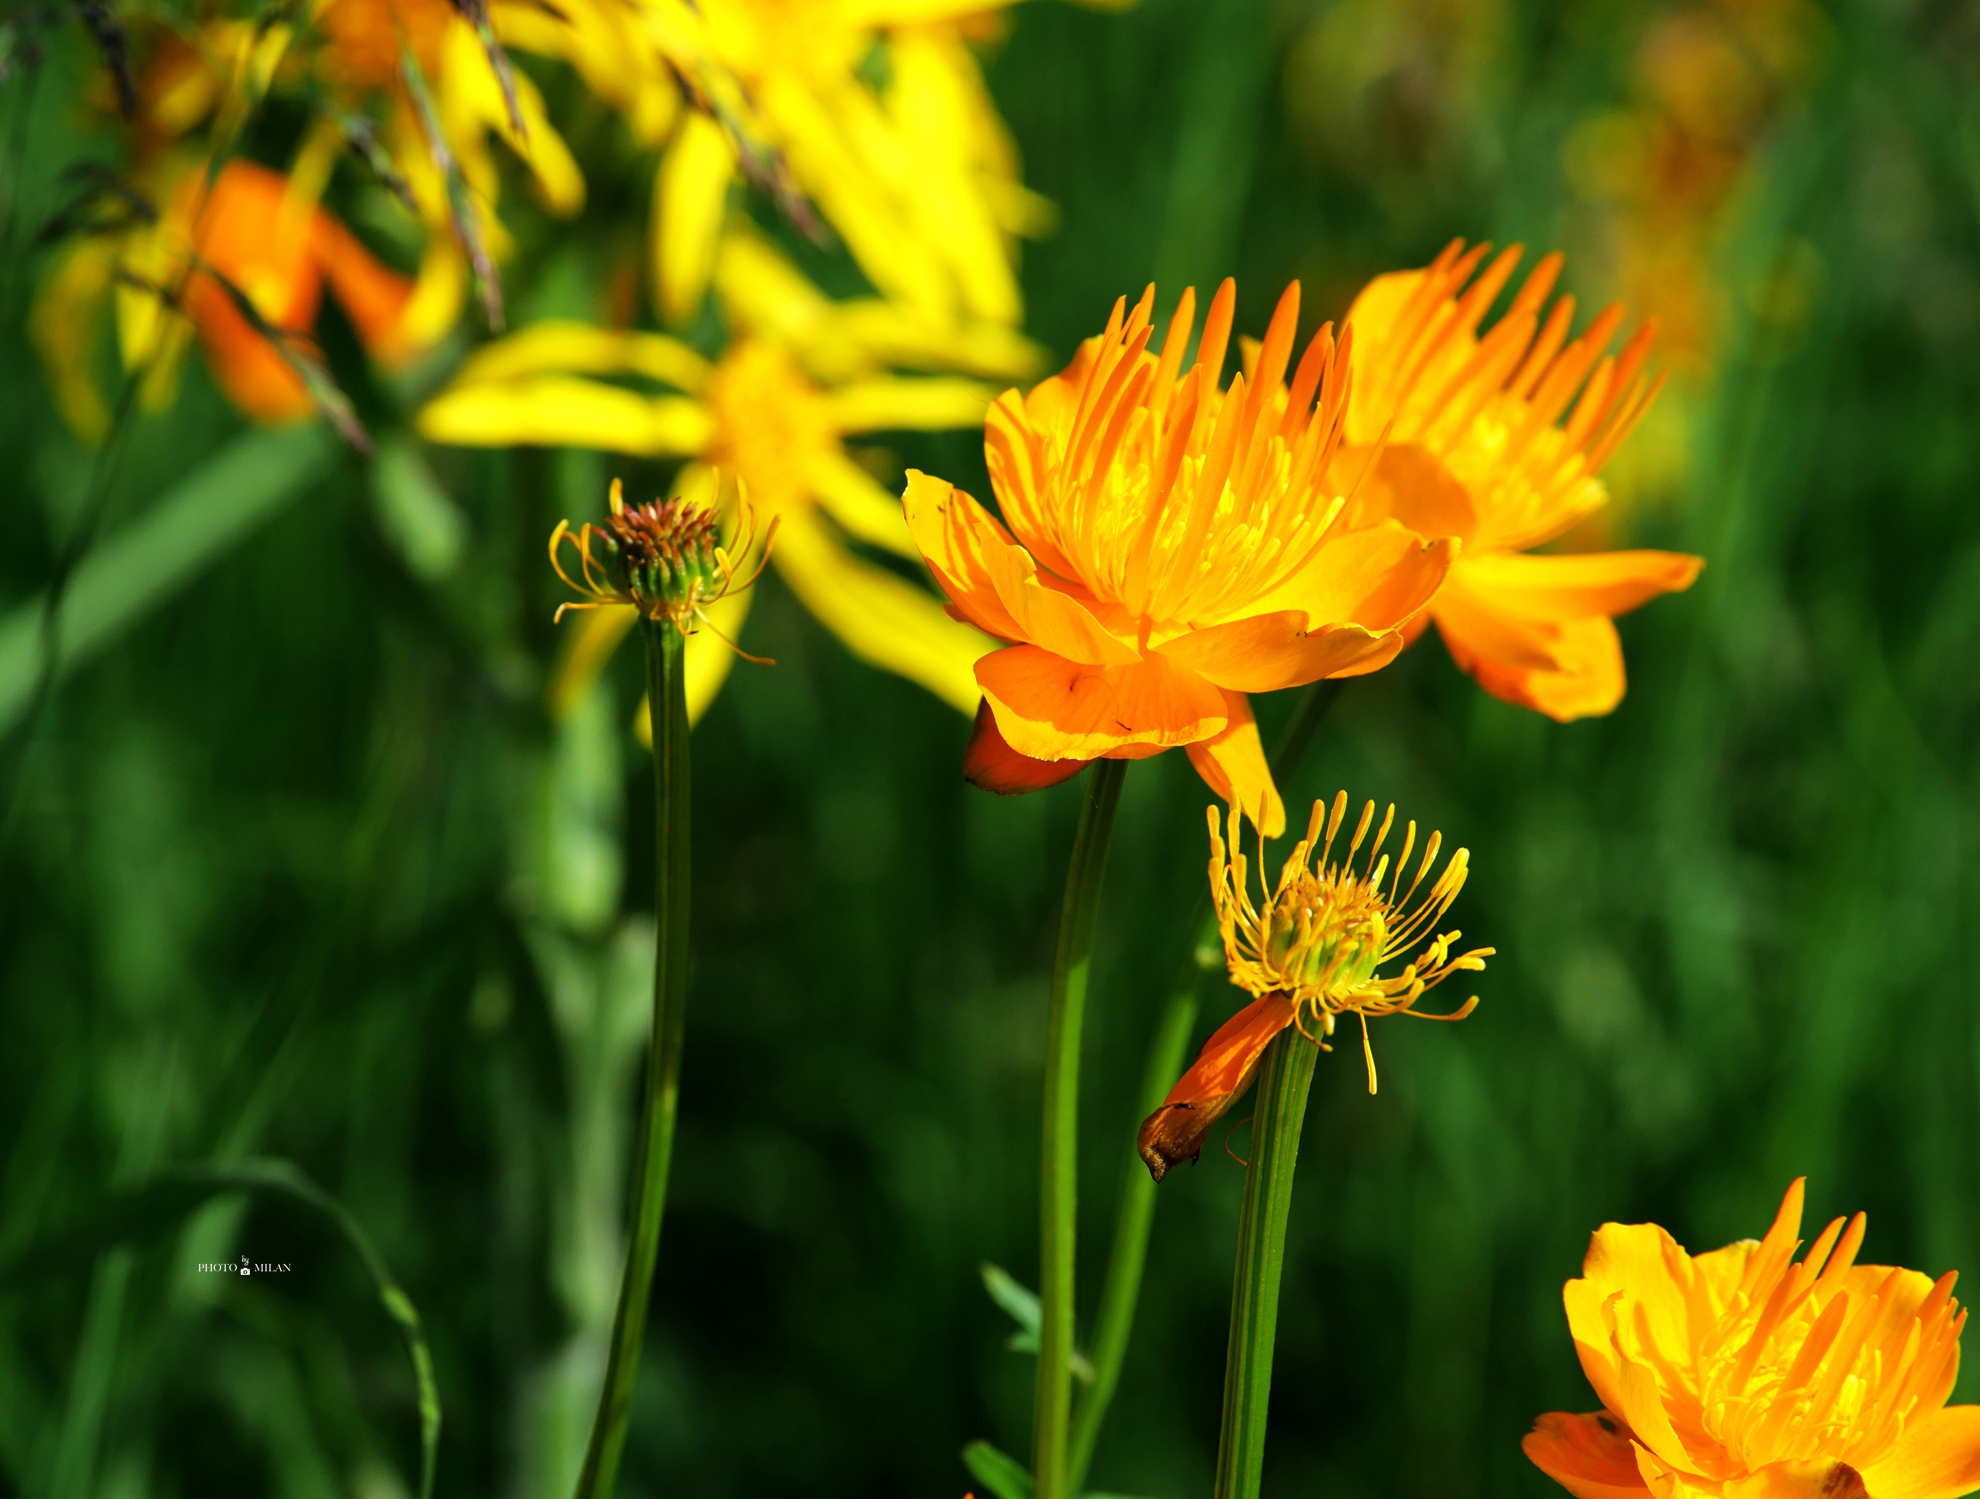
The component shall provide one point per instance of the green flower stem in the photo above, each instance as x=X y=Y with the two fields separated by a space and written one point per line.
x=1121 y=1292
x=1122 y=1287
x=1283 y=1083
x=667 y=697
x=1060 y=1195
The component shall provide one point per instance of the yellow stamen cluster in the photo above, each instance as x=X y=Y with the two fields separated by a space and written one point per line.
x=1324 y=931
x=666 y=558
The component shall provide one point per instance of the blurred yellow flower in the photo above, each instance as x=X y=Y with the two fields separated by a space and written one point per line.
x=1497 y=439
x=1741 y=1374
x=803 y=374
x=874 y=110
x=1312 y=952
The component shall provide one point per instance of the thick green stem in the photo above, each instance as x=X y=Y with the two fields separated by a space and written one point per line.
x=667 y=697
x=1121 y=1292
x=1060 y=1195
x=1283 y=1082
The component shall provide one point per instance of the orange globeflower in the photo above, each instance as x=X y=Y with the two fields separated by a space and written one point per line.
x=1171 y=548
x=1477 y=449
x=278 y=252
x=1739 y=1374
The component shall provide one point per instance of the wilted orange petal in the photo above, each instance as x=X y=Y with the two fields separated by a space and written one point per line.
x=992 y=765
x=1219 y=1077
x=1053 y=709
x=1590 y=1456
x=1233 y=765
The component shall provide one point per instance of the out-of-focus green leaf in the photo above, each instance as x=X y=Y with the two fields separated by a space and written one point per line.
x=420 y=520
x=155 y=556
x=1022 y=1303
x=999 y=1472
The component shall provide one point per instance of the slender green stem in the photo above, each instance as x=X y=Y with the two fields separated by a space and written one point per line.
x=1121 y=1292
x=1059 y=1194
x=1283 y=1082
x=667 y=698
x=1122 y=1287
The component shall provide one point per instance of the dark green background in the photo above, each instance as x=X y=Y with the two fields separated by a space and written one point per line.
x=286 y=867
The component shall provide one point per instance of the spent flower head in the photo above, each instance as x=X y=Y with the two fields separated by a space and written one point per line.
x=666 y=558
x=1310 y=950
x=1322 y=934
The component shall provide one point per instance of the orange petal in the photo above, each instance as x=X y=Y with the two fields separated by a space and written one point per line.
x=245 y=365
x=1268 y=652
x=1053 y=709
x=994 y=581
x=1938 y=1457
x=1218 y=1078
x=1590 y=1456
x=1233 y=765
x=1408 y=484
x=1565 y=669
x=1576 y=586
x=375 y=298
x=1376 y=578
x=992 y=765
x=1643 y=1260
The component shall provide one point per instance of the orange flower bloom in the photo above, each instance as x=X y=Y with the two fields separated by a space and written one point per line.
x=1477 y=449
x=278 y=253
x=1171 y=548
x=1311 y=952
x=1741 y=1374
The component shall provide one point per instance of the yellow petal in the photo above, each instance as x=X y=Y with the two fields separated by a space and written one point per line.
x=589 y=638
x=929 y=99
x=554 y=411
x=931 y=405
x=881 y=618
x=884 y=332
x=856 y=501
x=690 y=201
x=709 y=657
x=765 y=293
x=573 y=348
x=65 y=322
x=472 y=103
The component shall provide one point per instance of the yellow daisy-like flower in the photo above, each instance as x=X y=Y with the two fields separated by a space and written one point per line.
x=803 y=374
x=1313 y=951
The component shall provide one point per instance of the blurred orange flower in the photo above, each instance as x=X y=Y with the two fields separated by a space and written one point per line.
x=1171 y=547
x=278 y=253
x=1498 y=440
x=1741 y=1374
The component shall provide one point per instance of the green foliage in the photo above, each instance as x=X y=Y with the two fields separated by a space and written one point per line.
x=295 y=865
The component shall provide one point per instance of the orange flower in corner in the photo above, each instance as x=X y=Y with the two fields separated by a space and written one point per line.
x=278 y=251
x=1478 y=448
x=1743 y=1375
x=1171 y=547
